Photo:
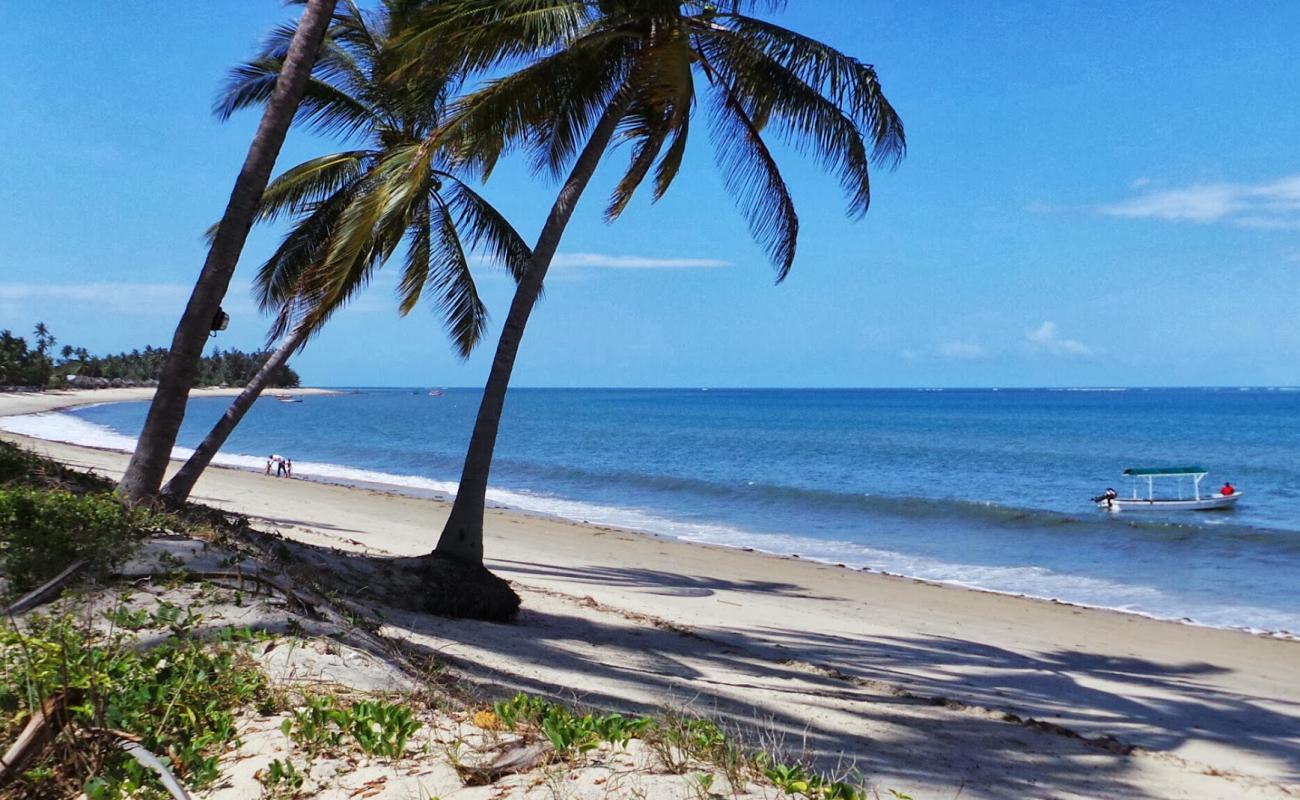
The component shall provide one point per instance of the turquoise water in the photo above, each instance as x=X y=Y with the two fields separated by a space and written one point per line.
x=978 y=487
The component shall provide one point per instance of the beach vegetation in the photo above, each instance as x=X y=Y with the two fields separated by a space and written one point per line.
x=177 y=699
x=376 y=727
x=572 y=78
x=144 y=473
x=44 y=531
x=682 y=744
x=40 y=367
x=352 y=209
x=23 y=365
x=281 y=780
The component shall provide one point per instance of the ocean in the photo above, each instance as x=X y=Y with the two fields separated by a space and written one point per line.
x=980 y=488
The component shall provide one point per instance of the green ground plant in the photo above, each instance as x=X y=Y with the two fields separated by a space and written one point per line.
x=178 y=698
x=680 y=742
x=376 y=727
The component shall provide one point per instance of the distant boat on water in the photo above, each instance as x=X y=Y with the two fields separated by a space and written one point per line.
x=288 y=398
x=435 y=393
x=1110 y=500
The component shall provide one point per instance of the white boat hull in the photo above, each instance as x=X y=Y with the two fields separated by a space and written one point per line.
x=1136 y=504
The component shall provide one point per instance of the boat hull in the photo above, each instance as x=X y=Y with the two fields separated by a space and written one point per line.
x=1210 y=503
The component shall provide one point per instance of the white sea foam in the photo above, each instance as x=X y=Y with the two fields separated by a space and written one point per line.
x=1029 y=581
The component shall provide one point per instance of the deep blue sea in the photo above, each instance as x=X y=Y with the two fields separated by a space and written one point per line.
x=984 y=488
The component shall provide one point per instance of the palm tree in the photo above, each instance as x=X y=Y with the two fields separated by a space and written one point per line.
x=153 y=450
x=352 y=209
x=597 y=70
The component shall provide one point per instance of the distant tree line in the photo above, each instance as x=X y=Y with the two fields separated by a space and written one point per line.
x=41 y=365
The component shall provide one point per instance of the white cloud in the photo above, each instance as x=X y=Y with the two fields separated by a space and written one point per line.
x=1139 y=183
x=962 y=351
x=1275 y=204
x=138 y=297
x=1046 y=338
x=134 y=298
x=603 y=261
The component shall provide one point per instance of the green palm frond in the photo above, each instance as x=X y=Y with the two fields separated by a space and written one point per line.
x=545 y=106
x=309 y=183
x=484 y=229
x=807 y=121
x=463 y=312
x=303 y=248
x=844 y=81
x=324 y=108
x=751 y=176
x=476 y=35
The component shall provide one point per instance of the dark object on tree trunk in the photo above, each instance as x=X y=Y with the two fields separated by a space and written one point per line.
x=455 y=588
x=144 y=474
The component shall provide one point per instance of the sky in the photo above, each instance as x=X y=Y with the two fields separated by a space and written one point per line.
x=1095 y=194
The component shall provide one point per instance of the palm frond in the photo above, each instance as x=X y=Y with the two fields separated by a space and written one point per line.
x=324 y=108
x=844 y=81
x=546 y=106
x=477 y=35
x=463 y=312
x=806 y=120
x=311 y=182
x=754 y=181
x=485 y=229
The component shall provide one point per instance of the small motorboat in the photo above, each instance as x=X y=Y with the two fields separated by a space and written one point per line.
x=1188 y=499
x=288 y=398
x=435 y=393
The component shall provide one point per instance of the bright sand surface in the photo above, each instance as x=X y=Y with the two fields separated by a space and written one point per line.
x=910 y=681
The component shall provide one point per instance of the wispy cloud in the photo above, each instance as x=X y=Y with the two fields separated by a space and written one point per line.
x=603 y=261
x=1271 y=205
x=962 y=351
x=952 y=350
x=144 y=298
x=1046 y=338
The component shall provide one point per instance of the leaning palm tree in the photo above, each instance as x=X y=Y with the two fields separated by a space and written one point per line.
x=153 y=450
x=601 y=71
x=352 y=209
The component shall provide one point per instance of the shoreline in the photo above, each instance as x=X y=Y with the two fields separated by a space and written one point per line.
x=87 y=397
x=605 y=610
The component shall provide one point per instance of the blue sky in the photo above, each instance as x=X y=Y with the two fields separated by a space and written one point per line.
x=1095 y=194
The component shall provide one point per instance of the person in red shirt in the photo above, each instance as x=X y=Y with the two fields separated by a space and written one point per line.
x=1227 y=489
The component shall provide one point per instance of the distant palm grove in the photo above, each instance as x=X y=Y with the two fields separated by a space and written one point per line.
x=43 y=364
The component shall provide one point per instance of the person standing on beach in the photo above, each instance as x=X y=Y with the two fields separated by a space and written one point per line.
x=269 y=461
x=288 y=468
x=279 y=466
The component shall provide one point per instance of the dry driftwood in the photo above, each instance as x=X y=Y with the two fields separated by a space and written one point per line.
x=515 y=758
x=41 y=729
x=46 y=591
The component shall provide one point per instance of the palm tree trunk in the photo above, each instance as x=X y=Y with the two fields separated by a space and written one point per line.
x=462 y=536
x=182 y=483
x=153 y=450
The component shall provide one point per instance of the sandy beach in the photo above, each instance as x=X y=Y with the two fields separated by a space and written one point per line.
x=935 y=691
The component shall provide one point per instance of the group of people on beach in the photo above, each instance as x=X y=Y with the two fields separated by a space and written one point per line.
x=283 y=466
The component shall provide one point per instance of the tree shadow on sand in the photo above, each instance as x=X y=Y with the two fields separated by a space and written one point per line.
x=927 y=711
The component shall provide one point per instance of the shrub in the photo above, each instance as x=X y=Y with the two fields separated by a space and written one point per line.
x=42 y=532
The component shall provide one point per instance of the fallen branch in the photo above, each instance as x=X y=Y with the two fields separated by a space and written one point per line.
x=45 y=724
x=46 y=591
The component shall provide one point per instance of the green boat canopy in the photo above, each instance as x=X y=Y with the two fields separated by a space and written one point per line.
x=1165 y=471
